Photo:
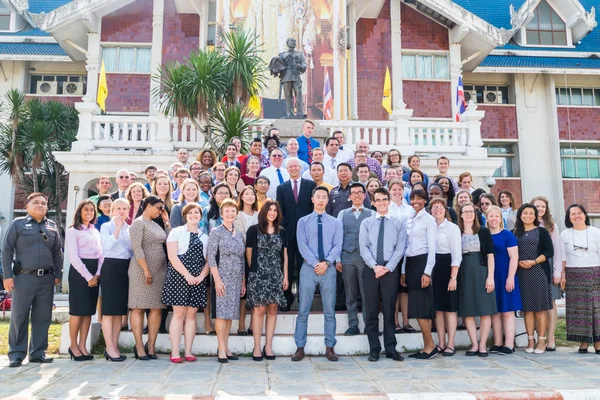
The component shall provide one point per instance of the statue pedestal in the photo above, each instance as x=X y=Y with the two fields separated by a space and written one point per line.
x=292 y=128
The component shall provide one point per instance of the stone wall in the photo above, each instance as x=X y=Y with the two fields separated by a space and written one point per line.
x=583 y=121
x=500 y=122
x=429 y=99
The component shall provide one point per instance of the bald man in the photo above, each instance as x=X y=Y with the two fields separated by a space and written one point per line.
x=363 y=146
x=123 y=179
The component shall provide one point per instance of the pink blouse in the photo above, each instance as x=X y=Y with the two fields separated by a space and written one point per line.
x=84 y=243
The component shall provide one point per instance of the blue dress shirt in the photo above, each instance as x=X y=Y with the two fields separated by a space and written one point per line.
x=303 y=147
x=307 y=234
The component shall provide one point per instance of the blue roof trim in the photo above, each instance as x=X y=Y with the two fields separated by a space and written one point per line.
x=495 y=12
x=541 y=62
x=28 y=32
x=39 y=6
x=40 y=49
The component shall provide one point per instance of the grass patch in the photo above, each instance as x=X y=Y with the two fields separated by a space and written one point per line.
x=561 y=334
x=53 y=337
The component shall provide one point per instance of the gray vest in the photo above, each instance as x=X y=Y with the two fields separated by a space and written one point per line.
x=352 y=228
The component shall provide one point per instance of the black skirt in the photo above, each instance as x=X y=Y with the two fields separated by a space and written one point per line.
x=444 y=300
x=401 y=289
x=82 y=298
x=114 y=282
x=420 y=301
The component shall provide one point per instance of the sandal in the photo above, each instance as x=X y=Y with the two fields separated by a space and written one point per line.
x=409 y=329
x=447 y=353
x=211 y=333
x=542 y=350
x=530 y=350
x=398 y=329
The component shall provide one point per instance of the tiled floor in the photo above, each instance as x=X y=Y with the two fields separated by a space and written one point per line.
x=564 y=369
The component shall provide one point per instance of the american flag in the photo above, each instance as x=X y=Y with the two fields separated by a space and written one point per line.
x=327 y=99
x=461 y=104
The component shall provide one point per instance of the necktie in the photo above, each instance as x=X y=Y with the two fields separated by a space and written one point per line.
x=341 y=147
x=379 y=259
x=122 y=194
x=296 y=190
x=309 y=148
x=320 y=238
x=280 y=176
x=333 y=163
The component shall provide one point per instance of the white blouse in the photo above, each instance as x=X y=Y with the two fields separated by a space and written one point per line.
x=587 y=239
x=112 y=247
x=402 y=211
x=449 y=241
x=244 y=221
x=422 y=233
x=181 y=235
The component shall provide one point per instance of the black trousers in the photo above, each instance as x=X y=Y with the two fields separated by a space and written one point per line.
x=386 y=289
x=295 y=261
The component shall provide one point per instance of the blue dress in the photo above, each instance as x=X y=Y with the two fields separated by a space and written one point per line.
x=505 y=301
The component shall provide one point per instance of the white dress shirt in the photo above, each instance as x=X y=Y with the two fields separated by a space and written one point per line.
x=181 y=235
x=580 y=258
x=345 y=153
x=449 y=241
x=112 y=247
x=422 y=234
x=403 y=210
x=328 y=177
x=271 y=173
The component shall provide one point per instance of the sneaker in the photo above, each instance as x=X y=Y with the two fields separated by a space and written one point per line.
x=495 y=349
x=505 y=351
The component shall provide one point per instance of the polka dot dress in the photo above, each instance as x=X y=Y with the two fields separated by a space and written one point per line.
x=535 y=288
x=177 y=291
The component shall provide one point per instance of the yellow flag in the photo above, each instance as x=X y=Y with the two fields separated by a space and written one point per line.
x=254 y=105
x=102 y=89
x=387 y=92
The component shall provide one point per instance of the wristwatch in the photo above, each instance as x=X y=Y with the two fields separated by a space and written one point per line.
x=452 y=278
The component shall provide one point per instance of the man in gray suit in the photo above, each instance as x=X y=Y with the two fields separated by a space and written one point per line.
x=32 y=264
x=350 y=262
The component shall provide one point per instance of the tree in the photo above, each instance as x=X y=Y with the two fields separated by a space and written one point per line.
x=211 y=82
x=41 y=128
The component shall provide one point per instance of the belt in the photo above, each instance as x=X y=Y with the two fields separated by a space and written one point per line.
x=37 y=272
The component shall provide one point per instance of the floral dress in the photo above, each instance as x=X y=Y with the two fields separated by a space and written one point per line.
x=265 y=282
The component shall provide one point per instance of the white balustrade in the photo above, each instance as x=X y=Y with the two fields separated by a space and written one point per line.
x=129 y=132
x=189 y=137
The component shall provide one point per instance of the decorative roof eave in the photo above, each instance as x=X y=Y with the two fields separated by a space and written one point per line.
x=581 y=23
x=544 y=53
x=21 y=7
x=75 y=10
x=476 y=25
x=34 y=57
x=533 y=70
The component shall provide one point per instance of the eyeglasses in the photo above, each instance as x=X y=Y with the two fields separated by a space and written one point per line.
x=222 y=193
x=219 y=170
x=486 y=204
x=357 y=193
x=39 y=203
x=437 y=208
x=124 y=177
x=381 y=200
x=44 y=236
x=276 y=156
x=468 y=212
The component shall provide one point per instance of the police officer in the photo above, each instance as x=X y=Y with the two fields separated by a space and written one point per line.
x=32 y=264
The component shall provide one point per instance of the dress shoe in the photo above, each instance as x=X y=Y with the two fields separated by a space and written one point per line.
x=74 y=357
x=138 y=357
x=265 y=355
x=233 y=357
x=374 y=355
x=88 y=357
x=299 y=354
x=114 y=359
x=17 y=362
x=395 y=356
x=472 y=353
x=150 y=356
x=352 y=331
x=176 y=360
x=41 y=360
x=222 y=360
x=259 y=358
x=191 y=358
x=330 y=354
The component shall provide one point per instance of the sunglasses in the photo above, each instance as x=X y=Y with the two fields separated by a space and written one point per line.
x=44 y=236
x=124 y=177
x=277 y=156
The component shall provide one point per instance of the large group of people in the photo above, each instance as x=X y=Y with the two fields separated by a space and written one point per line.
x=249 y=231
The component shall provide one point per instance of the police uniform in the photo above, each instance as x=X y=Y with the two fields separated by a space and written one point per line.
x=37 y=248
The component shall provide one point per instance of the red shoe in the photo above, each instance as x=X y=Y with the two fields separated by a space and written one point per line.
x=191 y=358
x=176 y=360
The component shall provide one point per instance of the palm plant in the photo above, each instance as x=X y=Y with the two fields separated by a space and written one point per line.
x=16 y=103
x=229 y=120
x=207 y=82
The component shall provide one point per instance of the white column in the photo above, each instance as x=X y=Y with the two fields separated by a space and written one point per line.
x=156 y=52
x=455 y=72
x=353 y=73
x=399 y=110
x=93 y=62
x=337 y=67
x=203 y=34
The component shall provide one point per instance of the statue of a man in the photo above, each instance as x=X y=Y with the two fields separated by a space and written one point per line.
x=289 y=65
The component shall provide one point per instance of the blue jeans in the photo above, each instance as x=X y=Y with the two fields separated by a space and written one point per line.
x=309 y=281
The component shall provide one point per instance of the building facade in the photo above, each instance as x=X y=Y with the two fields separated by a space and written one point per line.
x=530 y=70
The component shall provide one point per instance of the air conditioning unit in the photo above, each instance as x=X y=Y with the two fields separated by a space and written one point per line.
x=492 y=97
x=471 y=95
x=73 y=88
x=47 y=88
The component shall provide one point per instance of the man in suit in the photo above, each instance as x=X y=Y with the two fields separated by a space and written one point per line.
x=123 y=181
x=294 y=198
x=230 y=154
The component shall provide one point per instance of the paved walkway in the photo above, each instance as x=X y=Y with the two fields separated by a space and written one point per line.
x=564 y=369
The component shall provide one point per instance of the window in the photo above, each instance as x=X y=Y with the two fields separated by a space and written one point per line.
x=69 y=85
x=546 y=27
x=425 y=66
x=578 y=97
x=507 y=153
x=127 y=59
x=481 y=91
x=580 y=161
x=4 y=17
x=212 y=24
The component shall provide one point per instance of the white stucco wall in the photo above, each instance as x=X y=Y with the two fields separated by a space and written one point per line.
x=6 y=204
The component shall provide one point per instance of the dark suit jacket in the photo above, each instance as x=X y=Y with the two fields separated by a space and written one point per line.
x=291 y=210
x=237 y=164
x=114 y=195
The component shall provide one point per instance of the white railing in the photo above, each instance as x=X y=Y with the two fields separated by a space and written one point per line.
x=124 y=131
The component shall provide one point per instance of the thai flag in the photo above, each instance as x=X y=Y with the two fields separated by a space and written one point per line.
x=327 y=99
x=461 y=104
